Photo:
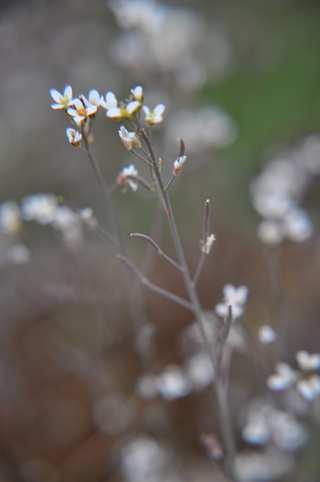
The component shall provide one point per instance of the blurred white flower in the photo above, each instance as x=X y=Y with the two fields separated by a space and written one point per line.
x=236 y=297
x=62 y=101
x=147 y=386
x=74 y=137
x=81 y=110
x=270 y=232
x=87 y=216
x=155 y=116
x=262 y=467
x=309 y=389
x=284 y=378
x=199 y=370
x=127 y=177
x=308 y=361
x=143 y=459
x=173 y=383
x=10 y=218
x=256 y=431
x=207 y=244
x=130 y=140
x=202 y=129
x=178 y=165
x=40 y=208
x=287 y=433
x=267 y=334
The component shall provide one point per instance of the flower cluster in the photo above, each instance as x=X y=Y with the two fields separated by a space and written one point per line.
x=306 y=379
x=278 y=192
x=267 y=425
x=165 y=39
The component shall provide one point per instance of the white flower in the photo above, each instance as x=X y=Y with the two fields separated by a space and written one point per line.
x=81 y=109
x=234 y=297
x=155 y=116
x=284 y=378
x=137 y=93
x=129 y=139
x=270 y=232
x=74 y=137
x=257 y=431
x=266 y=335
x=62 y=101
x=173 y=383
x=40 y=208
x=127 y=175
x=10 y=218
x=200 y=371
x=309 y=389
x=95 y=98
x=87 y=216
x=178 y=165
x=307 y=361
x=207 y=244
x=117 y=111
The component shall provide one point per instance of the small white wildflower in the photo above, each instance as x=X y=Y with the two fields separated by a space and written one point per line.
x=178 y=165
x=173 y=383
x=155 y=116
x=298 y=226
x=81 y=109
x=62 y=101
x=130 y=140
x=10 y=218
x=284 y=378
x=308 y=361
x=309 y=389
x=206 y=245
x=137 y=93
x=120 y=112
x=267 y=335
x=235 y=297
x=127 y=175
x=74 y=137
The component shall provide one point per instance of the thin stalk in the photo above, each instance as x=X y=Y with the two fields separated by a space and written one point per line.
x=224 y=419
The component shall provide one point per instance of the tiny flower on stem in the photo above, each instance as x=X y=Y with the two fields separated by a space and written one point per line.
x=74 y=137
x=235 y=297
x=121 y=111
x=130 y=140
x=62 y=101
x=155 y=116
x=206 y=245
x=127 y=177
x=178 y=165
x=81 y=110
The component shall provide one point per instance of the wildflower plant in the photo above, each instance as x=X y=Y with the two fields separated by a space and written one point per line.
x=137 y=122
